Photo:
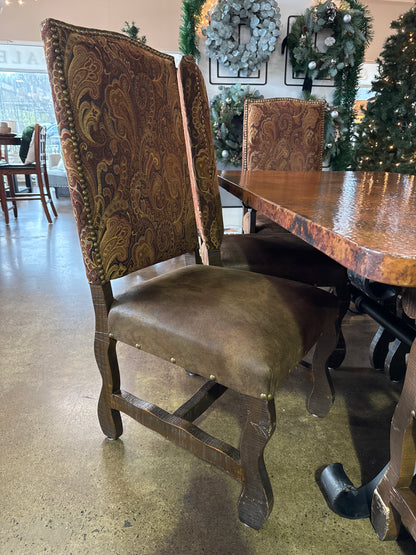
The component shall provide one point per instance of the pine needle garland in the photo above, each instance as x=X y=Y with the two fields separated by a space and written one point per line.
x=346 y=88
x=191 y=14
x=351 y=28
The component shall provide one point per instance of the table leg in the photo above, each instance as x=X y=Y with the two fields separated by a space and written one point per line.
x=343 y=497
x=393 y=501
x=387 y=499
x=379 y=347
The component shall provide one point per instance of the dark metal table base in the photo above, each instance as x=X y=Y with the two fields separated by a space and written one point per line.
x=343 y=497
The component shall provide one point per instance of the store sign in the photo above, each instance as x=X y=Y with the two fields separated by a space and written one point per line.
x=20 y=57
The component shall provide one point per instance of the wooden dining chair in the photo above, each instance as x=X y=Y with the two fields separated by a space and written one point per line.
x=282 y=255
x=37 y=168
x=119 y=117
x=284 y=134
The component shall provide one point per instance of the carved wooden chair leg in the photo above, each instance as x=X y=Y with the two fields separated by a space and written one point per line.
x=344 y=295
x=323 y=393
x=338 y=356
x=3 y=201
x=48 y=192
x=256 y=499
x=12 y=192
x=106 y=357
x=42 y=195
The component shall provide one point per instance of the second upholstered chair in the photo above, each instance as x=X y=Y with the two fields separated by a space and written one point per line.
x=38 y=168
x=119 y=117
x=282 y=134
x=282 y=255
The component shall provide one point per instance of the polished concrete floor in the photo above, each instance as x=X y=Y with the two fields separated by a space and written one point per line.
x=64 y=488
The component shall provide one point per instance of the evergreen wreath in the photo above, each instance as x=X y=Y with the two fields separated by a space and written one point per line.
x=350 y=26
x=191 y=15
x=227 y=122
x=263 y=20
x=346 y=39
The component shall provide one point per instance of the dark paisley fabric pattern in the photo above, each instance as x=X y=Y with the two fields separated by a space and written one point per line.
x=283 y=134
x=118 y=111
x=201 y=153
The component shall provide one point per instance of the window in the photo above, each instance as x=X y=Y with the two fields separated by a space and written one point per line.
x=25 y=96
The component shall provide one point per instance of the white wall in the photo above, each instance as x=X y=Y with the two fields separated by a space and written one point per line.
x=159 y=20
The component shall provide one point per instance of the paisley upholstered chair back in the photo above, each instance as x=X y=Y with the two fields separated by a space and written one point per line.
x=119 y=117
x=201 y=154
x=283 y=134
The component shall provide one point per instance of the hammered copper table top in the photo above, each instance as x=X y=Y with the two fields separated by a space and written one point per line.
x=364 y=220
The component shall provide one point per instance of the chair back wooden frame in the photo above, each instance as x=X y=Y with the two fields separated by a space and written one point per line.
x=38 y=169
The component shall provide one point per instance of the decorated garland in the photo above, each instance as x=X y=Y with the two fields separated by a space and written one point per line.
x=346 y=88
x=191 y=14
x=350 y=30
x=227 y=122
x=263 y=20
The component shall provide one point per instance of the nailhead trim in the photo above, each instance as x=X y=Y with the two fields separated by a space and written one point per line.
x=273 y=100
x=58 y=66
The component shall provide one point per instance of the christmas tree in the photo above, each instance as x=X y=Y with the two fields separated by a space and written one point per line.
x=386 y=137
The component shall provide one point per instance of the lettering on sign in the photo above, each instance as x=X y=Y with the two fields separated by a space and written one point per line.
x=19 y=57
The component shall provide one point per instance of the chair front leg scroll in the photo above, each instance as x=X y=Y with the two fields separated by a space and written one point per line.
x=42 y=195
x=106 y=357
x=323 y=393
x=3 y=200
x=343 y=293
x=48 y=191
x=256 y=499
x=12 y=192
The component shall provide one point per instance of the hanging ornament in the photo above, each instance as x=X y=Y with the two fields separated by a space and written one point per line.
x=346 y=18
x=225 y=154
x=331 y=11
x=334 y=114
x=329 y=41
x=312 y=65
